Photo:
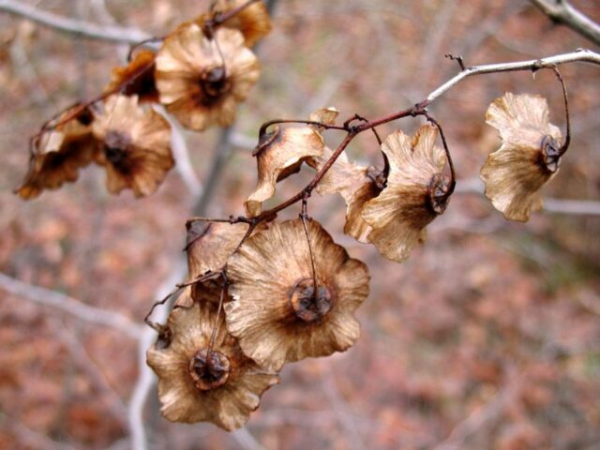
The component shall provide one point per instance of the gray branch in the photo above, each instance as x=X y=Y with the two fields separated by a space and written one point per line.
x=90 y=30
x=561 y=11
x=582 y=55
x=69 y=305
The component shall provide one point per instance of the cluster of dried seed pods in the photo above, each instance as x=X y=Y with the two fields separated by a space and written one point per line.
x=201 y=71
x=262 y=293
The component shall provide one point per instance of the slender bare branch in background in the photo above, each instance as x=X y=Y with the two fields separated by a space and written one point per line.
x=95 y=373
x=69 y=305
x=582 y=55
x=246 y=440
x=553 y=205
x=562 y=12
x=30 y=437
x=146 y=378
x=478 y=420
x=182 y=155
x=83 y=28
x=338 y=404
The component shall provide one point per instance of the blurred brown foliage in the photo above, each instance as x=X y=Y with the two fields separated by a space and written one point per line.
x=487 y=337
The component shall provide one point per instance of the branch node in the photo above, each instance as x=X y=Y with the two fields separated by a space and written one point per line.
x=459 y=59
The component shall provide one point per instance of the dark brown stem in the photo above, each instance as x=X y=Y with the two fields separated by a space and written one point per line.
x=263 y=129
x=565 y=146
x=448 y=155
x=137 y=45
x=215 y=330
x=219 y=18
x=304 y=217
x=458 y=59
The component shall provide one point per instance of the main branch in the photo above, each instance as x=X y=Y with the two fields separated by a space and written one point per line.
x=90 y=30
x=561 y=11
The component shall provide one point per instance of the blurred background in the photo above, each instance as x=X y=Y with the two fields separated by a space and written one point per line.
x=488 y=337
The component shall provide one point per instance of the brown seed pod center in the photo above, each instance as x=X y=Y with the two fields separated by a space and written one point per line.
x=439 y=193
x=307 y=304
x=551 y=153
x=209 y=371
x=214 y=83
x=116 y=148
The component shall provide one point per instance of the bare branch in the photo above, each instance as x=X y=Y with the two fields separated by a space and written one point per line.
x=561 y=11
x=246 y=440
x=70 y=305
x=477 y=421
x=84 y=361
x=90 y=30
x=30 y=437
x=146 y=378
x=532 y=64
x=182 y=155
x=552 y=205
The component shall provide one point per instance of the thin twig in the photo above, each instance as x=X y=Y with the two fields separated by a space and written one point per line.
x=561 y=11
x=552 y=205
x=146 y=378
x=85 y=362
x=182 y=155
x=69 y=305
x=533 y=64
x=86 y=29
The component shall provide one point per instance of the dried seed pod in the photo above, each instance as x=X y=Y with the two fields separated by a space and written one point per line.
x=136 y=146
x=324 y=115
x=356 y=184
x=221 y=386
x=60 y=153
x=528 y=158
x=136 y=78
x=209 y=246
x=278 y=314
x=416 y=193
x=253 y=21
x=278 y=155
x=202 y=80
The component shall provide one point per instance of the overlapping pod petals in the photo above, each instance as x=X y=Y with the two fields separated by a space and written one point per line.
x=415 y=193
x=136 y=148
x=201 y=80
x=59 y=154
x=278 y=155
x=325 y=115
x=195 y=385
x=209 y=246
x=527 y=159
x=356 y=184
x=277 y=313
x=253 y=21
x=136 y=78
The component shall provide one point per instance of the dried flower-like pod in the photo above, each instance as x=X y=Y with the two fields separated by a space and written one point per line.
x=60 y=153
x=136 y=78
x=528 y=158
x=253 y=21
x=325 y=115
x=278 y=155
x=416 y=193
x=202 y=80
x=136 y=148
x=277 y=313
x=209 y=246
x=221 y=386
x=356 y=184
